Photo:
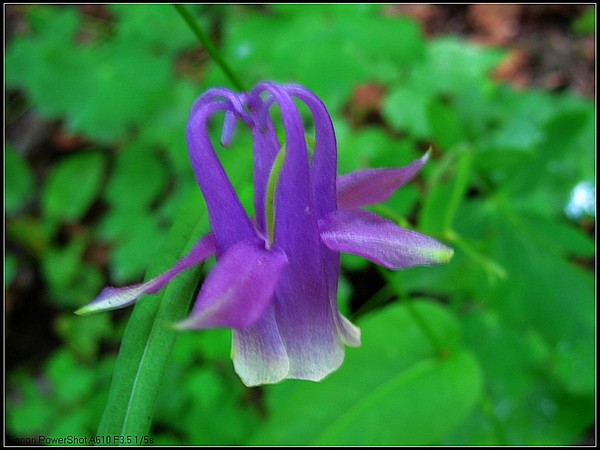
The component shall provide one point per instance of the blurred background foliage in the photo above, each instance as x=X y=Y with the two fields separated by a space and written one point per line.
x=496 y=347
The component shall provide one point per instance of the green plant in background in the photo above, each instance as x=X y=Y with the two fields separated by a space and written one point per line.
x=497 y=347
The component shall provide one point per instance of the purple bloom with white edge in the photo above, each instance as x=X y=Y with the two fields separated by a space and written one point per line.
x=276 y=277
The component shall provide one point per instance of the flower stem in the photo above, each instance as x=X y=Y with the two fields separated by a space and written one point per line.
x=209 y=46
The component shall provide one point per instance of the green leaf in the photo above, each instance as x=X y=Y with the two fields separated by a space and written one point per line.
x=148 y=338
x=445 y=125
x=84 y=334
x=137 y=243
x=560 y=237
x=28 y=412
x=72 y=187
x=10 y=269
x=69 y=278
x=394 y=390
x=359 y=55
x=132 y=26
x=19 y=181
x=407 y=111
x=454 y=66
x=32 y=233
x=424 y=398
x=524 y=404
x=101 y=88
x=138 y=178
x=71 y=381
x=586 y=22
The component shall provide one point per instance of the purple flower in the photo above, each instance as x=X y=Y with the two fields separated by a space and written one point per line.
x=276 y=278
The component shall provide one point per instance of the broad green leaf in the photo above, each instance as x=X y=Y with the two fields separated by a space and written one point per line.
x=394 y=390
x=148 y=338
x=71 y=381
x=19 y=181
x=406 y=111
x=424 y=398
x=47 y=63
x=137 y=246
x=28 y=411
x=137 y=179
x=445 y=125
x=453 y=66
x=84 y=334
x=559 y=236
x=555 y=296
x=564 y=158
x=72 y=187
x=132 y=26
x=355 y=40
x=101 y=87
x=525 y=406
x=123 y=93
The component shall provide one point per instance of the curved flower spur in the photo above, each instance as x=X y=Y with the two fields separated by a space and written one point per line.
x=276 y=276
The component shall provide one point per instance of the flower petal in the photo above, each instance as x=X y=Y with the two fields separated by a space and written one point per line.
x=239 y=288
x=258 y=353
x=266 y=146
x=302 y=309
x=324 y=161
x=381 y=241
x=370 y=186
x=323 y=176
x=114 y=298
x=228 y=219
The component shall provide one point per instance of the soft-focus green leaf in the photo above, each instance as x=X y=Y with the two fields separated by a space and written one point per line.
x=61 y=265
x=137 y=247
x=558 y=236
x=444 y=123
x=84 y=334
x=10 y=269
x=138 y=178
x=526 y=409
x=133 y=20
x=32 y=233
x=19 y=181
x=69 y=279
x=72 y=187
x=359 y=55
x=70 y=381
x=28 y=412
x=406 y=111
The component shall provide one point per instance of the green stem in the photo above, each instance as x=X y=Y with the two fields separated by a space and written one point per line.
x=493 y=270
x=208 y=45
x=436 y=342
x=487 y=406
x=465 y=160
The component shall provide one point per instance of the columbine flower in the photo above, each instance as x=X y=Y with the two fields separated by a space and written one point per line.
x=275 y=281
